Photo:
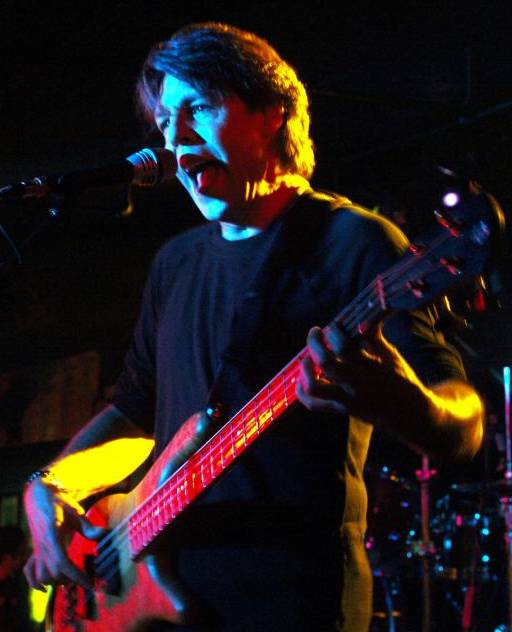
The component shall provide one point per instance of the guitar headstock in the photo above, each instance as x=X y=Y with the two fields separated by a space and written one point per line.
x=460 y=248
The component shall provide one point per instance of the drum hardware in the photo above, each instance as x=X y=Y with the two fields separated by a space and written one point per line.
x=500 y=490
x=390 y=514
x=506 y=499
x=423 y=476
x=462 y=566
x=386 y=610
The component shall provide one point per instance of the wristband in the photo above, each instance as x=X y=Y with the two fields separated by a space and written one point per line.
x=50 y=479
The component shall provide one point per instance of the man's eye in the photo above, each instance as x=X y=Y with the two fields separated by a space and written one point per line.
x=163 y=124
x=200 y=108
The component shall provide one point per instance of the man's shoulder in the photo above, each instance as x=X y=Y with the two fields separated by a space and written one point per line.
x=348 y=219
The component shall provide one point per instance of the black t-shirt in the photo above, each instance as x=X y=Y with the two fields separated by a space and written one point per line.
x=288 y=511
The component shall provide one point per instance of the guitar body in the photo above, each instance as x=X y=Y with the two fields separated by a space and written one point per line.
x=128 y=594
x=137 y=593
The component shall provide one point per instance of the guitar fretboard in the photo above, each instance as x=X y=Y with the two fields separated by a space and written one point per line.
x=210 y=461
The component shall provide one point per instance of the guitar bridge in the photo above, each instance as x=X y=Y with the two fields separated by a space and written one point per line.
x=75 y=604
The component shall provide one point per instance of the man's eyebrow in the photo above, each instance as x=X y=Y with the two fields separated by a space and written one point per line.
x=163 y=110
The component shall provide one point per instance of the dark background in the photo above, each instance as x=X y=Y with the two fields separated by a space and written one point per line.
x=397 y=90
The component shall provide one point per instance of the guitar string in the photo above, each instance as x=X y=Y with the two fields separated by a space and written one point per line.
x=226 y=441
x=121 y=532
x=393 y=272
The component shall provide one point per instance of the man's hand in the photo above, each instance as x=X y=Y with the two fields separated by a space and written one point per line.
x=340 y=377
x=53 y=515
x=376 y=384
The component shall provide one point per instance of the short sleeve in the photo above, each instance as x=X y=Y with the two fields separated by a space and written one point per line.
x=134 y=391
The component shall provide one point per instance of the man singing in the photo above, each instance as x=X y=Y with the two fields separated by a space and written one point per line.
x=278 y=542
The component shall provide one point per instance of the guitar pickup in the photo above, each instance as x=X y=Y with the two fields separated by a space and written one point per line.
x=77 y=603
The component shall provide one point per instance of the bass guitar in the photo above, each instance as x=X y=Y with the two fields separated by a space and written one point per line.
x=132 y=583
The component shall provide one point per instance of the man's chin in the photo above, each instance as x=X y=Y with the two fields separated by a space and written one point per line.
x=216 y=211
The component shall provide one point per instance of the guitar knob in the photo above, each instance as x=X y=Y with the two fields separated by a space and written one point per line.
x=448 y=222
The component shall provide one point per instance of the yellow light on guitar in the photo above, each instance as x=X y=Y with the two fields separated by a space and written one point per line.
x=88 y=471
x=38 y=603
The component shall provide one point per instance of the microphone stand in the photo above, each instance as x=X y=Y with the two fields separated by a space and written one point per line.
x=26 y=222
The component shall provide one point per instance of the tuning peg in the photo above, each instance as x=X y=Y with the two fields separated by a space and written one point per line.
x=451 y=224
x=416 y=249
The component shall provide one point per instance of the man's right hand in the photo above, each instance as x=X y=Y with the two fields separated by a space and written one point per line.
x=53 y=515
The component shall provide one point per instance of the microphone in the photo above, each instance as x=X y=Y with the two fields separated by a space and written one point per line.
x=145 y=168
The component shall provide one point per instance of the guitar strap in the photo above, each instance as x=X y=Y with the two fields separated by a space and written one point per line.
x=292 y=236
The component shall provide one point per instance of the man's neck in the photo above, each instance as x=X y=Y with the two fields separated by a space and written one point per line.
x=266 y=208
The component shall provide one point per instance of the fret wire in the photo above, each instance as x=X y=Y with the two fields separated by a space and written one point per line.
x=159 y=516
x=167 y=513
x=222 y=454
x=231 y=428
x=257 y=413
x=202 y=474
x=245 y=427
x=185 y=485
x=172 y=502
x=284 y=379
x=178 y=494
x=215 y=450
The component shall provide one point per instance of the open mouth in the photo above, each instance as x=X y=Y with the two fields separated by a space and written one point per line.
x=198 y=171
x=202 y=172
x=196 y=167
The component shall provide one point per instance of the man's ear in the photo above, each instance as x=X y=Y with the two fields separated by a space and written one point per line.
x=273 y=119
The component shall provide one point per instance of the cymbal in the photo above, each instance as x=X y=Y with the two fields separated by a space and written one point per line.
x=492 y=488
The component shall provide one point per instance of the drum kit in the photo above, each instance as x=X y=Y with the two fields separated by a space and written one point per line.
x=441 y=556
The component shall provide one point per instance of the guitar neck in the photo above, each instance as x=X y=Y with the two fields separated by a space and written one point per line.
x=212 y=459
x=231 y=441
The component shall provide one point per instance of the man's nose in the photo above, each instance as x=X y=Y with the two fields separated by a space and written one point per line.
x=179 y=131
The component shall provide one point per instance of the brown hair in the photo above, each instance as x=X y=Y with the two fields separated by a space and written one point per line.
x=223 y=60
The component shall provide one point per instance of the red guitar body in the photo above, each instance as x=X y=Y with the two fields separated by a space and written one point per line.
x=135 y=592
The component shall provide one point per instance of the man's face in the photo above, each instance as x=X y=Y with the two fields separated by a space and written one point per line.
x=222 y=148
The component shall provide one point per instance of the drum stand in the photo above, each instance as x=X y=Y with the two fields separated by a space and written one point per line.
x=426 y=547
x=503 y=489
x=506 y=498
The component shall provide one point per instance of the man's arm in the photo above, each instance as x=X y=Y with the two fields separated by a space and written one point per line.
x=102 y=454
x=379 y=386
